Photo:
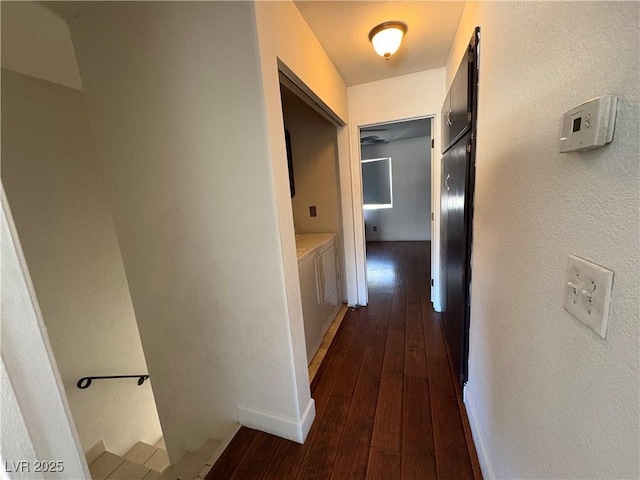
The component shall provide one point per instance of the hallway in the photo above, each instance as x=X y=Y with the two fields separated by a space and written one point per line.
x=386 y=406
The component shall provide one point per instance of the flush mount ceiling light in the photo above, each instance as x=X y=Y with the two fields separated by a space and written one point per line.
x=387 y=37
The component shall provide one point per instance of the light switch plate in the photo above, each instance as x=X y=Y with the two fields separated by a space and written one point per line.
x=588 y=292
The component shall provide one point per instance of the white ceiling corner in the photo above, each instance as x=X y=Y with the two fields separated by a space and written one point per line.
x=342 y=28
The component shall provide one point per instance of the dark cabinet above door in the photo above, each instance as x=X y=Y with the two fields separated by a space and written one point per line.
x=456 y=111
x=446 y=123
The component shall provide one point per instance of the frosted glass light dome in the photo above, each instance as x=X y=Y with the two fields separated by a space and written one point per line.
x=387 y=37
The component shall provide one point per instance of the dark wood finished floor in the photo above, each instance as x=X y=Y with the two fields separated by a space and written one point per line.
x=386 y=403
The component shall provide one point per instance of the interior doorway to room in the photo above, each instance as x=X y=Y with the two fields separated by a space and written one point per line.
x=395 y=162
x=396 y=180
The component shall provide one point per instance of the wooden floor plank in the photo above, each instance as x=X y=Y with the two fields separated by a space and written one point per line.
x=418 y=450
x=285 y=464
x=386 y=406
x=416 y=357
x=345 y=383
x=377 y=336
x=233 y=454
x=398 y=314
x=451 y=446
x=318 y=462
x=380 y=304
x=334 y=360
x=353 y=454
x=384 y=465
x=413 y=292
x=257 y=458
x=387 y=429
x=413 y=275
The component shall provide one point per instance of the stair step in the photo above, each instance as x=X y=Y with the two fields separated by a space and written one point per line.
x=94 y=452
x=173 y=472
x=140 y=453
x=104 y=465
x=146 y=462
x=159 y=461
x=160 y=444
x=128 y=470
x=199 y=460
x=153 y=475
x=142 y=461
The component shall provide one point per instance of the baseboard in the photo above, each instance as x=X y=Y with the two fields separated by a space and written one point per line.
x=285 y=427
x=485 y=464
x=94 y=452
x=308 y=417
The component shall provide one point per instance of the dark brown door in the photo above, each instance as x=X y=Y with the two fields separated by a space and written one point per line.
x=456 y=230
x=454 y=214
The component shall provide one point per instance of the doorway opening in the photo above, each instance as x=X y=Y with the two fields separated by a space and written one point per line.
x=395 y=165
x=314 y=180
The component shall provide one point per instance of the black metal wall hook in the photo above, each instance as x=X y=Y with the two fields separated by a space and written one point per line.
x=85 y=382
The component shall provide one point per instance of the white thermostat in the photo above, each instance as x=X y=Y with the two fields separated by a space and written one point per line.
x=589 y=125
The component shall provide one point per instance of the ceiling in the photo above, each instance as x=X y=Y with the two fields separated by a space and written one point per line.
x=390 y=132
x=343 y=28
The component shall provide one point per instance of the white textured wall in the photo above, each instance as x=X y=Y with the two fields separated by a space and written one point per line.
x=64 y=221
x=36 y=421
x=283 y=35
x=410 y=217
x=67 y=230
x=16 y=442
x=409 y=96
x=176 y=103
x=547 y=397
x=36 y=42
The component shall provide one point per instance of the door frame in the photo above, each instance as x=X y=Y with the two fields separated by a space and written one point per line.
x=357 y=197
x=288 y=79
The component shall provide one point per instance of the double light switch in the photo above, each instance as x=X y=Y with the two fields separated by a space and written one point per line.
x=588 y=293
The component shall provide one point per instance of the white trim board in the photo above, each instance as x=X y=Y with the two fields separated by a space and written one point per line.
x=357 y=200
x=285 y=427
